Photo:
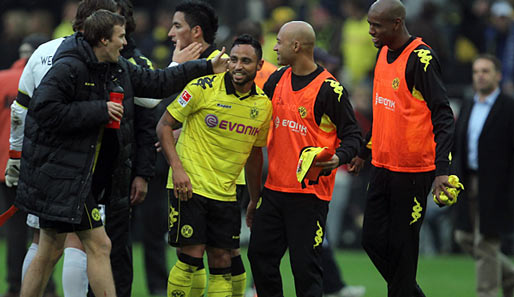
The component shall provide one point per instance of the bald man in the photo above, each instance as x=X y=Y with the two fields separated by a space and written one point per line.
x=411 y=139
x=310 y=108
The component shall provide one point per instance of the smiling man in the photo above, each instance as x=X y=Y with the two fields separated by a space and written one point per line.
x=310 y=108
x=67 y=148
x=193 y=31
x=225 y=123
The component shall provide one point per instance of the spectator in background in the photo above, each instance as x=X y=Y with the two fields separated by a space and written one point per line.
x=162 y=52
x=358 y=52
x=65 y=28
x=143 y=32
x=327 y=25
x=17 y=231
x=468 y=41
x=500 y=42
x=427 y=27
x=279 y=16
x=41 y=21
x=484 y=159
x=15 y=27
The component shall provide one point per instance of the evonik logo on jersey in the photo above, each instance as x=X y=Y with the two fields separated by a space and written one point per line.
x=292 y=125
x=386 y=102
x=212 y=121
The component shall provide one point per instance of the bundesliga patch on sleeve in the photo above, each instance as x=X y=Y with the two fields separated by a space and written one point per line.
x=184 y=98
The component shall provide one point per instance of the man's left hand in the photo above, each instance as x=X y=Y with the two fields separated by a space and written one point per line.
x=138 y=190
x=440 y=184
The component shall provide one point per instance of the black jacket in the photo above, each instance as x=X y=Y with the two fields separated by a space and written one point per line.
x=65 y=118
x=496 y=168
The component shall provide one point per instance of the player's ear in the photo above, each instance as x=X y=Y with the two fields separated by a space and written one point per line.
x=197 y=32
x=259 y=64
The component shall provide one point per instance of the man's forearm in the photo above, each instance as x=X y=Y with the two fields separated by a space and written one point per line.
x=18 y=114
x=253 y=170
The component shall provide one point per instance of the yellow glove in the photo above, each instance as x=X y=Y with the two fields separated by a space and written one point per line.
x=454 y=192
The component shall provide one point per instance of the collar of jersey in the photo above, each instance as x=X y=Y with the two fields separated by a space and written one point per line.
x=207 y=52
x=229 y=87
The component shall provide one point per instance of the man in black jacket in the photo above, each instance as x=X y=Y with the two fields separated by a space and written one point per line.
x=484 y=159
x=69 y=153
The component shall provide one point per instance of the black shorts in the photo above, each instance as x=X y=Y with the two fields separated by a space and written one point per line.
x=201 y=220
x=91 y=219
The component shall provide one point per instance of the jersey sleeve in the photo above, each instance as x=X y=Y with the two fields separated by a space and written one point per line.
x=428 y=86
x=187 y=102
x=27 y=82
x=18 y=114
x=333 y=110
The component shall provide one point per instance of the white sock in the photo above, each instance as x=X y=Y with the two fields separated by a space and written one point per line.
x=31 y=253
x=74 y=273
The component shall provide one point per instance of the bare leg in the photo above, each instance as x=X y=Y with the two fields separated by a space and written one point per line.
x=99 y=272
x=50 y=250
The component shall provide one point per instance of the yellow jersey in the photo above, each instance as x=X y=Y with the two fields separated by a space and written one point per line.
x=220 y=127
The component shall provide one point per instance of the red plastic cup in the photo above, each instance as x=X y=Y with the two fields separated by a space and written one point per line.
x=118 y=98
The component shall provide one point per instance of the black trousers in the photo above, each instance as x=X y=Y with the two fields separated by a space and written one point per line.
x=395 y=208
x=153 y=214
x=332 y=278
x=17 y=237
x=294 y=221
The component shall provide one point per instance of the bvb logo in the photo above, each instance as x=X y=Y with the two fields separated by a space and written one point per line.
x=172 y=216
x=95 y=214
x=302 y=111
x=254 y=112
x=396 y=83
x=178 y=293
x=186 y=231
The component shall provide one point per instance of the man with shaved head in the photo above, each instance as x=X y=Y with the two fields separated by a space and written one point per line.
x=411 y=140
x=310 y=109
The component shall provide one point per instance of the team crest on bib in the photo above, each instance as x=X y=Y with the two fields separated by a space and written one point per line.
x=95 y=214
x=254 y=112
x=186 y=231
x=396 y=83
x=184 y=98
x=302 y=111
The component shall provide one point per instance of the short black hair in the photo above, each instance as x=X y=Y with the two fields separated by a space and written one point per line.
x=100 y=25
x=87 y=7
x=197 y=13
x=496 y=62
x=248 y=39
x=127 y=11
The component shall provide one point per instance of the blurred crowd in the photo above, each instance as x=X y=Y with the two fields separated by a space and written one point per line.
x=458 y=30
